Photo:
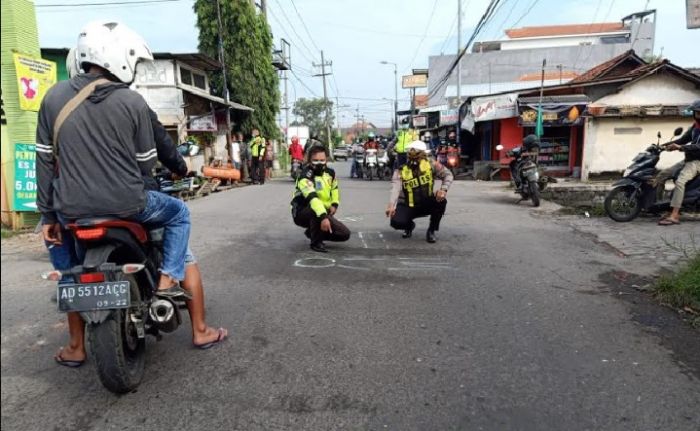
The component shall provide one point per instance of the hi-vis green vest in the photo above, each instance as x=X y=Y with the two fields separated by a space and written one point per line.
x=320 y=191
x=257 y=147
x=422 y=185
x=404 y=139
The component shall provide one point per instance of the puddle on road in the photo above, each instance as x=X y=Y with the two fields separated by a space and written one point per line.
x=673 y=333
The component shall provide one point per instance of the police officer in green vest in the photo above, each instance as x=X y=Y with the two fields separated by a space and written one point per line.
x=316 y=201
x=412 y=193
x=404 y=137
x=257 y=151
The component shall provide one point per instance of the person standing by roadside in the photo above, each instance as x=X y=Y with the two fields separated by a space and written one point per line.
x=257 y=154
x=236 y=151
x=269 y=157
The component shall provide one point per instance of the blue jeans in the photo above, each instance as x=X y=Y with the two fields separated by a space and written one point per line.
x=64 y=256
x=172 y=215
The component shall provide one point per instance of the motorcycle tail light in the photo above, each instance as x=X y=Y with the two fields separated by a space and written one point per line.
x=131 y=268
x=92 y=277
x=52 y=275
x=91 y=234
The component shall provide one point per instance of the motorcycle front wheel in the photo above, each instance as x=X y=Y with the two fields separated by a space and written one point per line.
x=534 y=193
x=621 y=205
x=118 y=353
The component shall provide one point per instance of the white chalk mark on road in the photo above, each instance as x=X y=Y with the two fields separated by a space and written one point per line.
x=364 y=243
x=308 y=262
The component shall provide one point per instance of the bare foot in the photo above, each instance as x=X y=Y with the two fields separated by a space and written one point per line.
x=70 y=354
x=209 y=335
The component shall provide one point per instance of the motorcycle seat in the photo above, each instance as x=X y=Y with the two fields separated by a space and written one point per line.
x=136 y=229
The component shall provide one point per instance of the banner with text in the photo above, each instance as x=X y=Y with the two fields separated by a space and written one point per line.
x=34 y=78
x=24 y=198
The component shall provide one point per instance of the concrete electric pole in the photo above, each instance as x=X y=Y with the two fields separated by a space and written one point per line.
x=323 y=74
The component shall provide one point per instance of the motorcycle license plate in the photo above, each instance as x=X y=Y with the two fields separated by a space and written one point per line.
x=93 y=296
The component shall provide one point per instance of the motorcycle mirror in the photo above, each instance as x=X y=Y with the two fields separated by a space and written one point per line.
x=678 y=131
x=499 y=147
x=194 y=150
x=658 y=135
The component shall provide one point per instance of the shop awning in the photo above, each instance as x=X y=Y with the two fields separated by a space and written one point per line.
x=565 y=99
x=436 y=108
x=220 y=100
x=564 y=110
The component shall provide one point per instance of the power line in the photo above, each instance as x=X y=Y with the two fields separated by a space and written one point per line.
x=305 y=27
x=300 y=39
x=449 y=34
x=106 y=3
x=526 y=13
x=595 y=14
x=425 y=33
x=303 y=83
x=503 y=23
x=590 y=51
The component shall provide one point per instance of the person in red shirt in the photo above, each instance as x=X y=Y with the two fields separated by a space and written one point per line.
x=296 y=151
x=371 y=144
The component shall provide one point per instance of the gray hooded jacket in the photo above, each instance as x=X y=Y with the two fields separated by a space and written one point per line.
x=105 y=148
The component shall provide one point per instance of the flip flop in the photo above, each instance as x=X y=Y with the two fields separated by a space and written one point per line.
x=67 y=363
x=668 y=222
x=173 y=291
x=211 y=344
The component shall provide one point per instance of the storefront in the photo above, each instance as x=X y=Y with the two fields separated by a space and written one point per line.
x=563 y=124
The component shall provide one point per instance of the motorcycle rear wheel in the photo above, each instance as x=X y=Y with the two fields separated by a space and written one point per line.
x=534 y=193
x=118 y=353
x=620 y=206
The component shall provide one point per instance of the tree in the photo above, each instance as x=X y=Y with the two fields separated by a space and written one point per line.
x=313 y=115
x=247 y=40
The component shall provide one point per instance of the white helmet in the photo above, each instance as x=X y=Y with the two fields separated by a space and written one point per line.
x=71 y=64
x=418 y=146
x=112 y=46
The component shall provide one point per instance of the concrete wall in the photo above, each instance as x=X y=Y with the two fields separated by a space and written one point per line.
x=608 y=150
x=554 y=41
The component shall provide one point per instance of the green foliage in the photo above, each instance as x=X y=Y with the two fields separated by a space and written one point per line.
x=313 y=115
x=247 y=40
x=683 y=288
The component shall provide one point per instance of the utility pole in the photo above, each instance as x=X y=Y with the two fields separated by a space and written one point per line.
x=222 y=60
x=560 y=67
x=337 y=113
x=459 y=48
x=323 y=74
x=285 y=78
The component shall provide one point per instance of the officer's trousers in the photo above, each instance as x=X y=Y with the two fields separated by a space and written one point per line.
x=404 y=216
x=307 y=218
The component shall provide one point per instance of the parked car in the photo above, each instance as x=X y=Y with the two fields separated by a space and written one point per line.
x=341 y=152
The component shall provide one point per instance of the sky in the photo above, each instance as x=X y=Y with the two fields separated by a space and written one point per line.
x=357 y=35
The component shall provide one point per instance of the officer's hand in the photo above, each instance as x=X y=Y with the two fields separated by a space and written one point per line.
x=52 y=233
x=332 y=210
x=440 y=195
x=326 y=226
x=390 y=211
x=673 y=147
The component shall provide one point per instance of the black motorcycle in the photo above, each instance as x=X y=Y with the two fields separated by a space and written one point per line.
x=635 y=192
x=114 y=292
x=527 y=179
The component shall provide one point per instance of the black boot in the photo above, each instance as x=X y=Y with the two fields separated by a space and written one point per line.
x=407 y=233
x=430 y=236
x=307 y=233
x=319 y=247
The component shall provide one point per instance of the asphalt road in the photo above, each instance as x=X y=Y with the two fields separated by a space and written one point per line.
x=512 y=321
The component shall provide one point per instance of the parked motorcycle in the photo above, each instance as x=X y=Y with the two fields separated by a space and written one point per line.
x=114 y=293
x=635 y=193
x=371 y=163
x=527 y=179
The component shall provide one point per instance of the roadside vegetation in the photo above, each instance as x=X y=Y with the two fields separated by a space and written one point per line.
x=682 y=289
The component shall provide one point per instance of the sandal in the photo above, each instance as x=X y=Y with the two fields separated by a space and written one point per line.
x=668 y=222
x=209 y=345
x=173 y=291
x=70 y=363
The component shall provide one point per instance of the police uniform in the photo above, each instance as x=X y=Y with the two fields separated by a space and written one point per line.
x=257 y=150
x=404 y=138
x=313 y=198
x=414 y=197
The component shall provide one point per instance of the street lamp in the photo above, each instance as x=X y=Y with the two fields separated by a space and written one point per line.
x=396 y=94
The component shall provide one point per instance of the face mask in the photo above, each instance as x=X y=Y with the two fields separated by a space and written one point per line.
x=318 y=167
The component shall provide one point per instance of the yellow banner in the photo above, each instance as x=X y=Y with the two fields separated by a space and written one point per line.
x=34 y=78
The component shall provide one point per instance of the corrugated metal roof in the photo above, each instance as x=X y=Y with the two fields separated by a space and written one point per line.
x=471 y=90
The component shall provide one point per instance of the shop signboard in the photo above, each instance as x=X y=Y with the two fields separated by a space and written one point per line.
x=24 y=196
x=692 y=10
x=449 y=117
x=414 y=81
x=34 y=78
x=495 y=107
x=420 y=121
x=552 y=115
x=205 y=123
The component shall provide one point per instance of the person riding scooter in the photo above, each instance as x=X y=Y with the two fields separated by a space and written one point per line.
x=688 y=143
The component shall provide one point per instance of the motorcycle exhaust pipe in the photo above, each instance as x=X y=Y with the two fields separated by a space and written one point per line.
x=164 y=314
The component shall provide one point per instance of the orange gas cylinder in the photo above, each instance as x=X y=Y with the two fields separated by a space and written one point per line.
x=222 y=173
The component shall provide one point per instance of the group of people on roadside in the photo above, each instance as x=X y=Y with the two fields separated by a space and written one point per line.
x=253 y=157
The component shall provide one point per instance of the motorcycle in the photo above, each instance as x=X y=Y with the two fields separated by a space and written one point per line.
x=452 y=159
x=635 y=192
x=114 y=292
x=359 y=160
x=296 y=169
x=384 y=170
x=527 y=179
x=371 y=163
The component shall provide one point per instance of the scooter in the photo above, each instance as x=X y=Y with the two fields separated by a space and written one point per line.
x=371 y=163
x=452 y=159
x=384 y=171
x=527 y=179
x=634 y=193
x=359 y=160
x=296 y=169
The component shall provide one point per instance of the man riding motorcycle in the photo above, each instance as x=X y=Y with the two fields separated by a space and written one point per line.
x=412 y=194
x=296 y=152
x=688 y=143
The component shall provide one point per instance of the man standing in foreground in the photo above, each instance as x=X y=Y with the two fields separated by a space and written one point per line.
x=412 y=194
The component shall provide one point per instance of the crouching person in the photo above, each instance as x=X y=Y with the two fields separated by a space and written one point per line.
x=316 y=201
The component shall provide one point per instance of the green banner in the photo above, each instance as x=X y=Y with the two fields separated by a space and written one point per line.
x=25 y=178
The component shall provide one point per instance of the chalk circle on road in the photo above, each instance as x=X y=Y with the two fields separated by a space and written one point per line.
x=314 y=262
x=350 y=219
